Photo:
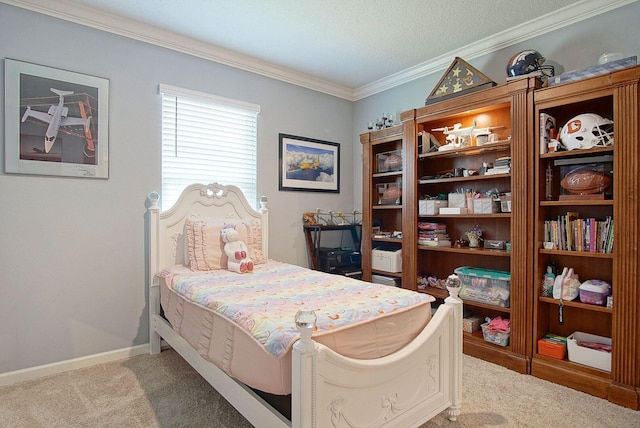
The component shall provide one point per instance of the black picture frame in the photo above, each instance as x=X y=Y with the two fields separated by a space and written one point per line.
x=308 y=165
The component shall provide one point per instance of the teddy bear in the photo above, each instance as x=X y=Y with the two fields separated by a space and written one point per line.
x=236 y=250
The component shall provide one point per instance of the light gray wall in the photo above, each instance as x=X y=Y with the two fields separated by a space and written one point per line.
x=72 y=262
x=571 y=48
x=72 y=280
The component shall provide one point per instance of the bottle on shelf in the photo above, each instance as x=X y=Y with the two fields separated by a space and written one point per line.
x=547 y=282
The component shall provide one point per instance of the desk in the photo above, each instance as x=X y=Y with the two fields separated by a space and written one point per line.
x=313 y=236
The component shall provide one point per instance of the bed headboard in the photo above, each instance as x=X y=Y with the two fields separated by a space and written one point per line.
x=166 y=237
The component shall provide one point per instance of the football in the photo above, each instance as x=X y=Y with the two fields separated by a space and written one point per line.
x=585 y=181
x=393 y=162
x=391 y=195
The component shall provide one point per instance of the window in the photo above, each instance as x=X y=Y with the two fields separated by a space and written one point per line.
x=207 y=139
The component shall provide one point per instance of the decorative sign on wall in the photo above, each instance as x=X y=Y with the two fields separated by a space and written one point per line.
x=460 y=78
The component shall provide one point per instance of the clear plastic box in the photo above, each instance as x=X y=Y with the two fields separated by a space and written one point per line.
x=390 y=193
x=389 y=161
x=594 y=292
x=492 y=287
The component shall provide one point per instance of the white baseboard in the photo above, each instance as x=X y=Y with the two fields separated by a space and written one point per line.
x=31 y=373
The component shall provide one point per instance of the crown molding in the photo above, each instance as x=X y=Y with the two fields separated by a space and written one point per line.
x=115 y=24
x=545 y=24
x=90 y=17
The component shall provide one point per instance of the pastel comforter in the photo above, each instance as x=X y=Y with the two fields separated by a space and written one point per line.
x=244 y=323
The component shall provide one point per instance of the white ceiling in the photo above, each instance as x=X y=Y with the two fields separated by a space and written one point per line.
x=346 y=48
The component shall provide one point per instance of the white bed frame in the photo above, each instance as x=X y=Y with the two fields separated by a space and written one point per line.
x=404 y=389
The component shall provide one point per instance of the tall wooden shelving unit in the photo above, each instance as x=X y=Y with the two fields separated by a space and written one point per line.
x=510 y=106
x=615 y=96
x=517 y=105
x=387 y=216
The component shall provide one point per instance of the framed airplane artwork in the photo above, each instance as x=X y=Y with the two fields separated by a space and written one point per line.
x=56 y=122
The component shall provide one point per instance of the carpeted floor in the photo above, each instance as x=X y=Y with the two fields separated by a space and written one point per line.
x=163 y=391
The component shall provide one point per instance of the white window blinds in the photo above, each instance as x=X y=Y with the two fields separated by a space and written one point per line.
x=207 y=139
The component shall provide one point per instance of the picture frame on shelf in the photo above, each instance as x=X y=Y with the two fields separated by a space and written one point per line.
x=309 y=165
x=56 y=122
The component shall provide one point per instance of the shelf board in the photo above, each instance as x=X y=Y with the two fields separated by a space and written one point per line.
x=385 y=273
x=577 y=253
x=577 y=202
x=386 y=207
x=331 y=226
x=493 y=215
x=458 y=179
x=575 y=304
x=469 y=151
x=566 y=365
x=393 y=240
x=467 y=250
x=486 y=306
x=387 y=174
x=577 y=153
x=438 y=293
x=475 y=346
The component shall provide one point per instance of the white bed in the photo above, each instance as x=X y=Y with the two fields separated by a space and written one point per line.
x=402 y=389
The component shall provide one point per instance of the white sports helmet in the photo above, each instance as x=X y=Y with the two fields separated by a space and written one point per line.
x=586 y=131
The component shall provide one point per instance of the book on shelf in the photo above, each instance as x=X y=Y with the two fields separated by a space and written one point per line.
x=571 y=233
x=439 y=240
x=435 y=242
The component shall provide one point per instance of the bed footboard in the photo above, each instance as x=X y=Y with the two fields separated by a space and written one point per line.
x=404 y=389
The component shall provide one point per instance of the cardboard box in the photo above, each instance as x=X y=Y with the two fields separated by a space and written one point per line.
x=431 y=206
x=471 y=324
x=587 y=356
x=454 y=210
x=386 y=260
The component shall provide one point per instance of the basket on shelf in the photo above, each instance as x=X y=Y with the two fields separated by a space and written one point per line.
x=497 y=337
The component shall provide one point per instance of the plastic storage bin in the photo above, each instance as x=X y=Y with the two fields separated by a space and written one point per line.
x=497 y=337
x=552 y=348
x=578 y=353
x=594 y=292
x=492 y=287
